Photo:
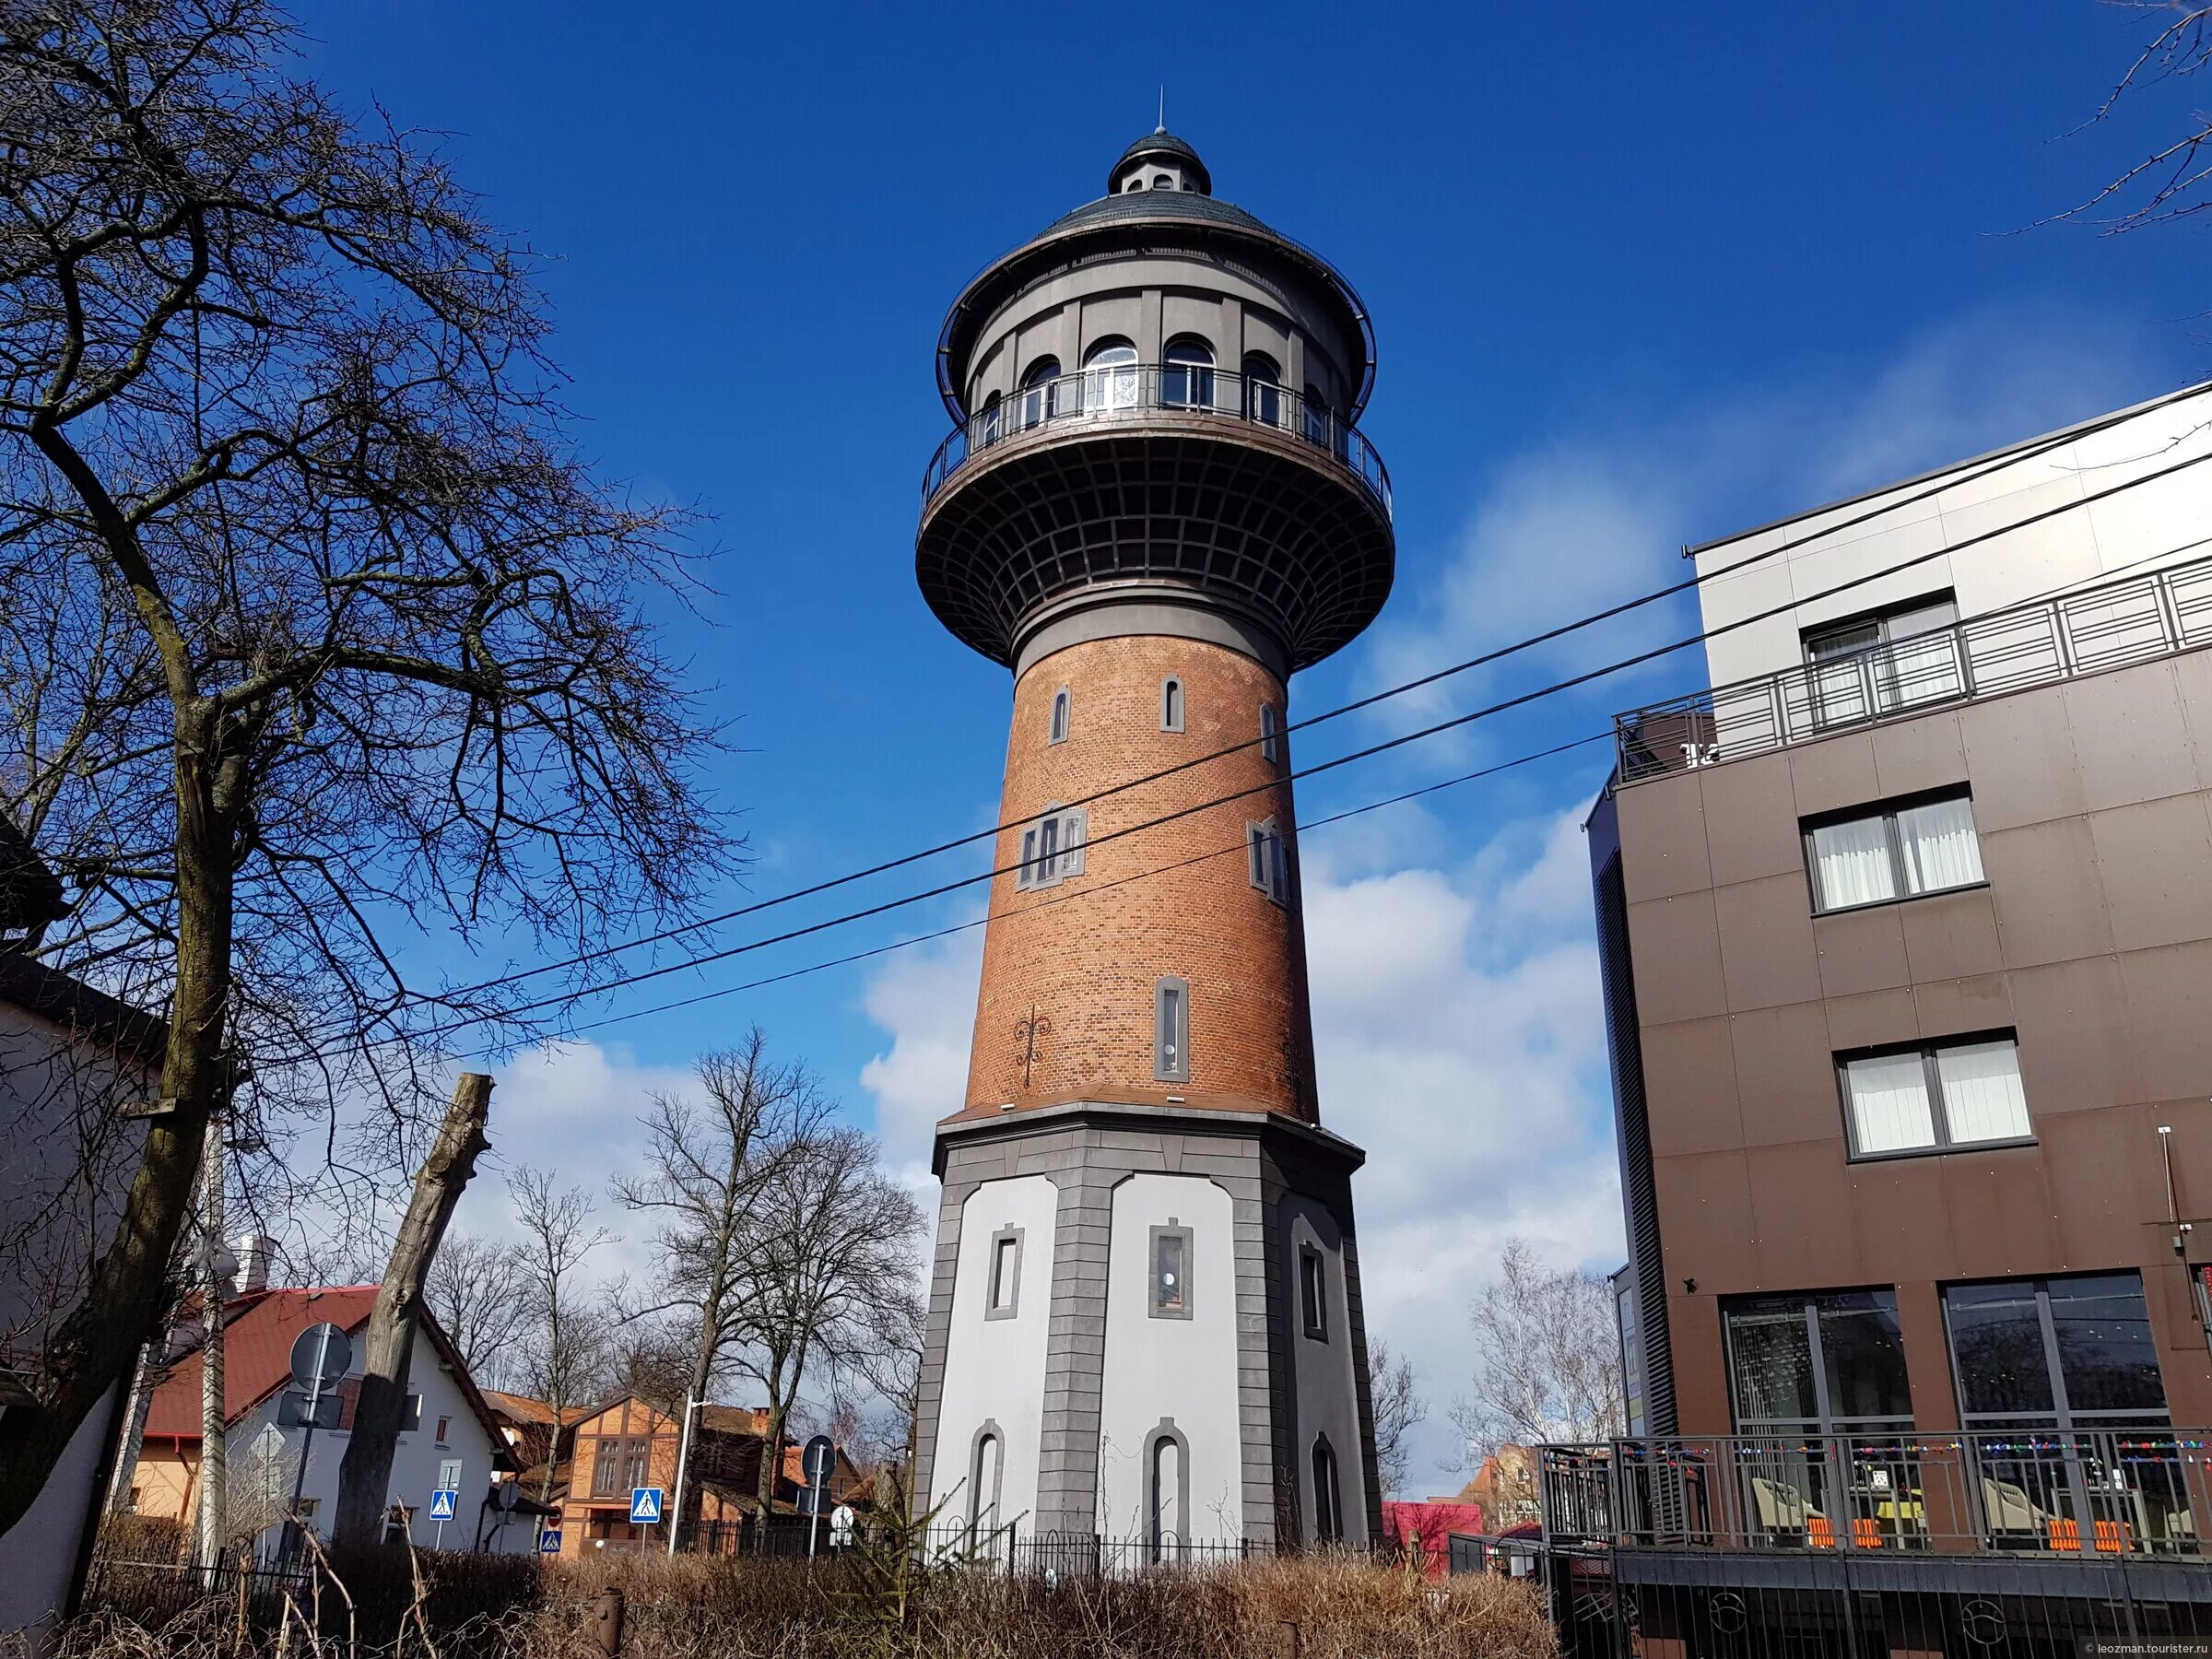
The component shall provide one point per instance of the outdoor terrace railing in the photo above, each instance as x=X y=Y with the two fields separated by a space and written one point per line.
x=1133 y=392
x=2098 y=1493
x=2102 y=627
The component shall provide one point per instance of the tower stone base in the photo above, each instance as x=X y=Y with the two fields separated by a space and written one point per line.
x=1065 y=1389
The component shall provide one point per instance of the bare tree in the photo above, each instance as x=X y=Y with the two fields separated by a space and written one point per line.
x=571 y=1339
x=710 y=1167
x=318 y=635
x=833 y=1244
x=2174 y=181
x=1548 y=1356
x=1398 y=1406
x=472 y=1293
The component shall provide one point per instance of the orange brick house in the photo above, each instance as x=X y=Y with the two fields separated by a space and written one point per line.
x=628 y=1443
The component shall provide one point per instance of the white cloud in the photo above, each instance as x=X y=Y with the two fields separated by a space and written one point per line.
x=926 y=999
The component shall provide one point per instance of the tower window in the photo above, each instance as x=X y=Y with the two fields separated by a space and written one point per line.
x=1002 y=1299
x=987 y=424
x=1052 y=849
x=1171 y=704
x=1269 y=859
x=1187 y=373
x=985 y=1467
x=1171 y=1031
x=1170 y=1271
x=1064 y=708
x=1262 y=389
x=1328 y=1502
x=1168 y=1493
x=1041 y=391
x=1314 y=1292
x=1271 y=738
x=1109 y=375
x=1317 y=415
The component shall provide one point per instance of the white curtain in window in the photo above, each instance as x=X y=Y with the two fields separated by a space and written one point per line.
x=1981 y=1098
x=1890 y=1103
x=1850 y=863
x=1939 y=846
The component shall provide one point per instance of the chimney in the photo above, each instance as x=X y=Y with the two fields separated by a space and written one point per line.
x=254 y=1252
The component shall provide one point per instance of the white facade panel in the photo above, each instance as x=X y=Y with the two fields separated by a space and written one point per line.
x=994 y=1365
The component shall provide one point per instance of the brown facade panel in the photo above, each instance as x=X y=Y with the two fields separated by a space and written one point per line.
x=2050 y=903
x=1917 y=755
x=1862 y=950
x=1786 y=1075
x=1767 y=955
x=1751 y=817
x=2155 y=860
x=1951 y=936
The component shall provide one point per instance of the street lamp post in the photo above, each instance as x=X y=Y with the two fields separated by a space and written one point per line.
x=683 y=1457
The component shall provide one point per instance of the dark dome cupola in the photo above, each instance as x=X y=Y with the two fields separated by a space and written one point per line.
x=1159 y=160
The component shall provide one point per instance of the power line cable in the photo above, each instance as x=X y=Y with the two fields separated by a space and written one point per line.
x=1420 y=734
x=1090 y=889
x=2010 y=459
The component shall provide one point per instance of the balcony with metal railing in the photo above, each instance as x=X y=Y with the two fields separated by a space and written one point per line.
x=1117 y=395
x=2107 y=1493
x=2107 y=626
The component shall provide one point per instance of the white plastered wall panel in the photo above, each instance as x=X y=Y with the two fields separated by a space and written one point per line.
x=994 y=1367
x=1167 y=1370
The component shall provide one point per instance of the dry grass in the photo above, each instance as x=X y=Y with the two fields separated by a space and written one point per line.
x=1317 y=1606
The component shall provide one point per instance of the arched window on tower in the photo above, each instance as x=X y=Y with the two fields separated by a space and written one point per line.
x=1328 y=1502
x=1187 y=373
x=1262 y=389
x=1171 y=704
x=985 y=1465
x=1167 y=1493
x=1063 y=712
x=1041 y=391
x=987 y=424
x=1110 y=376
x=1271 y=737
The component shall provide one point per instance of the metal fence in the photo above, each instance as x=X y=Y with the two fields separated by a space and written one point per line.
x=153 y=1593
x=2101 y=1492
x=2102 y=627
x=1132 y=391
x=1070 y=1555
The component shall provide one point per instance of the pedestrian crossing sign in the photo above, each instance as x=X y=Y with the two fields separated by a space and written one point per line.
x=644 y=1506
x=442 y=1504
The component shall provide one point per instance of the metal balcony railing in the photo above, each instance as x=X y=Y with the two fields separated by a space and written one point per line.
x=2099 y=1493
x=2101 y=627
x=1135 y=391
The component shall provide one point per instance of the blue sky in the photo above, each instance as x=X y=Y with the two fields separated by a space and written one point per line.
x=1639 y=276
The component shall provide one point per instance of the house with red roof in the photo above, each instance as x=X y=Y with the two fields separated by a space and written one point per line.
x=454 y=1440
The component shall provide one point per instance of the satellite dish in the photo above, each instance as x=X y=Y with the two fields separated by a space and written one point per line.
x=319 y=1356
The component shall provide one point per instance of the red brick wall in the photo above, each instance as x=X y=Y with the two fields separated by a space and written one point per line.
x=1086 y=954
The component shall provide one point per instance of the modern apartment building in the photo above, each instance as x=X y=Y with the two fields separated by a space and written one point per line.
x=1906 y=925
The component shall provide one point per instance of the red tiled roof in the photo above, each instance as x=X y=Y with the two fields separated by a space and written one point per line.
x=525 y=1410
x=258 y=1334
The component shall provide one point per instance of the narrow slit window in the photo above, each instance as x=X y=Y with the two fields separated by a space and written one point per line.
x=1170 y=1271
x=1170 y=1025
x=1313 y=1292
x=1271 y=739
x=1329 y=1503
x=1171 y=704
x=1062 y=711
x=1268 y=860
x=1004 y=1288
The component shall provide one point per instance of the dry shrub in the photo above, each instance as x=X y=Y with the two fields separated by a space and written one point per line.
x=1342 y=1605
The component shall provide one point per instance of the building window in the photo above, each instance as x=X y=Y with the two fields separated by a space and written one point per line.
x=1328 y=1502
x=1171 y=1032
x=1003 y=1289
x=988 y=423
x=1895 y=658
x=1041 y=391
x=1268 y=860
x=1064 y=709
x=1168 y=1492
x=1889 y=853
x=1110 y=376
x=620 y=1464
x=1187 y=373
x=1262 y=389
x=1271 y=737
x=1316 y=415
x=1314 y=1292
x=987 y=1467
x=2056 y=1353
x=1170 y=1271
x=443 y=1423
x=636 y=1463
x=1822 y=1363
x=1052 y=849
x=1935 y=1096
x=1171 y=704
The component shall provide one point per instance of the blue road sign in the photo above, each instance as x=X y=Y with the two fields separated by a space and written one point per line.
x=442 y=1504
x=549 y=1541
x=644 y=1506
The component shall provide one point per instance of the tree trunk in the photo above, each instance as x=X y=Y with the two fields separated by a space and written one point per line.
x=213 y=1535
x=96 y=1345
x=365 y=1475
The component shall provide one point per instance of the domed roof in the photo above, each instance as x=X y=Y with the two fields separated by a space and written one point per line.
x=1156 y=205
x=1157 y=144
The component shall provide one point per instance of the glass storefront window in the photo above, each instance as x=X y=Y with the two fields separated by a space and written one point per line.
x=2056 y=1351
x=1816 y=1361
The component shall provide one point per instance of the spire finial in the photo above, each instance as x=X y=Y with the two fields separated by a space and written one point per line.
x=1163 y=107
